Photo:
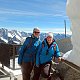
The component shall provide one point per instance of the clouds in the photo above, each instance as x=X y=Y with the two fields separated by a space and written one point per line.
x=32 y=12
x=26 y=13
x=32 y=8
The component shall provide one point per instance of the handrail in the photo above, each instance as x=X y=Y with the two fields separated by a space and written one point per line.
x=72 y=65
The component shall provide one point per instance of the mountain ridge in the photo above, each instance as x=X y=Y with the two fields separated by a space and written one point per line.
x=18 y=37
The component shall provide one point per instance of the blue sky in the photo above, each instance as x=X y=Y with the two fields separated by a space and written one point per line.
x=24 y=15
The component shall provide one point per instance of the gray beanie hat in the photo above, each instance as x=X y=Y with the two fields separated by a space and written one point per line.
x=35 y=29
x=50 y=34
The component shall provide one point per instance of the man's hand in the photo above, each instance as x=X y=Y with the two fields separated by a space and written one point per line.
x=59 y=59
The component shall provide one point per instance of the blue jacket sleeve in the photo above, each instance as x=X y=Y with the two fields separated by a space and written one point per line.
x=38 y=55
x=21 y=50
x=57 y=51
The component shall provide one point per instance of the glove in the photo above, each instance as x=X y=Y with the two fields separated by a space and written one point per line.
x=53 y=62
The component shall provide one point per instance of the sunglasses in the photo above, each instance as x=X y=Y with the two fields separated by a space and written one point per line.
x=36 y=32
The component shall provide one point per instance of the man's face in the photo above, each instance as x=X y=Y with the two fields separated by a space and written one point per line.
x=49 y=39
x=36 y=33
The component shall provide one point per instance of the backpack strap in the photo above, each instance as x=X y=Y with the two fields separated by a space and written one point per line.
x=28 y=45
x=43 y=44
x=54 y=46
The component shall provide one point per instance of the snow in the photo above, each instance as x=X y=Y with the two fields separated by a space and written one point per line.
x=16 y=42
x=5 y=40
x=24 y=38
x=16 y=63
x=14 y=72
x=18 y=37
x=19 y=33
x=9 y=35
x=66 y=55
x=74 y=16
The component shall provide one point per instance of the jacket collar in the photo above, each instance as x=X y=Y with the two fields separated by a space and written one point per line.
x=34 y=37
x=46 y=43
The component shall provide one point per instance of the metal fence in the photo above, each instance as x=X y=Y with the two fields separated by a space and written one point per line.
x=8 y=53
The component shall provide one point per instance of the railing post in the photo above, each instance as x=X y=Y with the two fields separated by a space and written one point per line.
x=13 y=57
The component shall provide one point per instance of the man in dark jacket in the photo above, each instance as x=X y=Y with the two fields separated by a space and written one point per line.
x=27 y=53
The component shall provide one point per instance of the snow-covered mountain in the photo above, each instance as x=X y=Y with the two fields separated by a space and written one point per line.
x=12 y=36
x=18 y=37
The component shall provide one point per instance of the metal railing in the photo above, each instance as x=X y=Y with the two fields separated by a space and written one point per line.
x=73 y=66
x=8 y=54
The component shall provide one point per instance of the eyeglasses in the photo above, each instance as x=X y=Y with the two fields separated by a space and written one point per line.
x=36 y=32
